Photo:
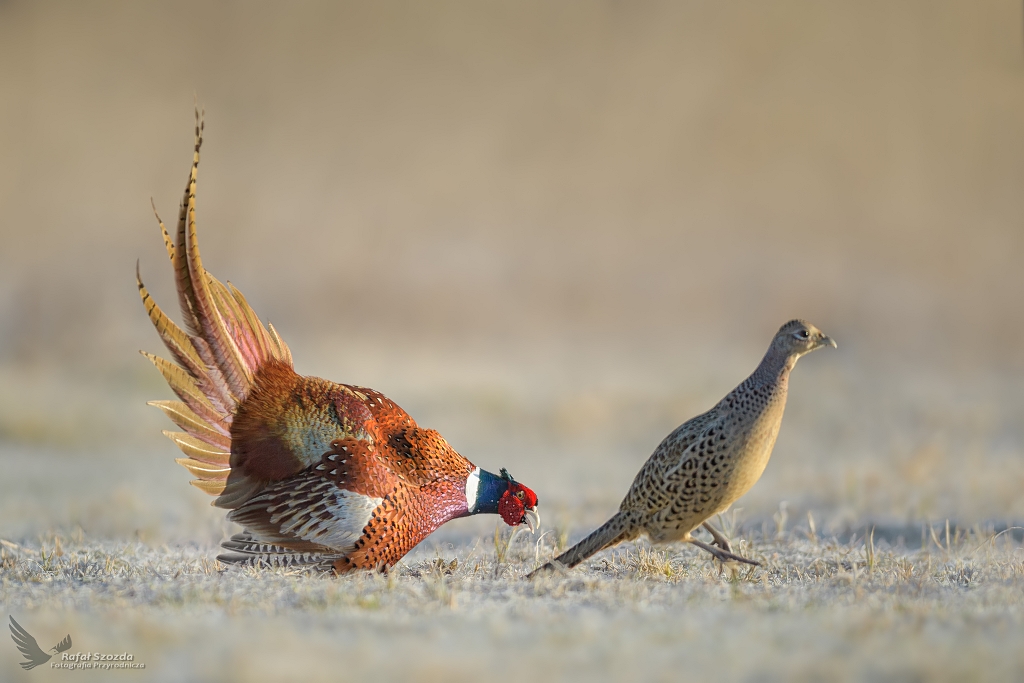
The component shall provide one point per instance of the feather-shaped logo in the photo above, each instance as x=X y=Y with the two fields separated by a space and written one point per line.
x=34 y=656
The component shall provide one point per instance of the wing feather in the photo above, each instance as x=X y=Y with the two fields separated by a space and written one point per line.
x=308 y=508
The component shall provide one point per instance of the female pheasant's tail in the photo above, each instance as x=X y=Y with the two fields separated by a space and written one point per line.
x=216 y=355
x=621 y=527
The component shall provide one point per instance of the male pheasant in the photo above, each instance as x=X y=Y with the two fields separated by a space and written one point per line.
x=317 y=473
x=708 y=462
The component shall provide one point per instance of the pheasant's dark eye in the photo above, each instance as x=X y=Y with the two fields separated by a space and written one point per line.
x=520 y=495
x=803 y=334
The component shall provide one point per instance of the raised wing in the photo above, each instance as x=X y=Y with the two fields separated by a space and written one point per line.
x=28 y=647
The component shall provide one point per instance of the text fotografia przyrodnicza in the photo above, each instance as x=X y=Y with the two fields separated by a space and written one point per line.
x=97 y=660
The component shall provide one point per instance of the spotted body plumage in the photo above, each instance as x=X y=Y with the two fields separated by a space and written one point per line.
x=317 y=473
x=707 y=463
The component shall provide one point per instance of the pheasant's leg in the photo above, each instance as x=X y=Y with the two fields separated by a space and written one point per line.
x=721 y=555
x=720 y=540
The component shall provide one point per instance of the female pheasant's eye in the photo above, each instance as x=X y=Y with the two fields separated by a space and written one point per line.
x=520 y=495
x=803 y=334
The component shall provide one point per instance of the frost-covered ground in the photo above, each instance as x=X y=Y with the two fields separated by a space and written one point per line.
x=816 y=610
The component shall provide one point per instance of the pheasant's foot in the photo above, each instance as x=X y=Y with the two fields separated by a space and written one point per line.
x=722 y=555
x=720 y=540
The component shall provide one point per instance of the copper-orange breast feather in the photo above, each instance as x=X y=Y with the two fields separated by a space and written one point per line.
x=317 y=473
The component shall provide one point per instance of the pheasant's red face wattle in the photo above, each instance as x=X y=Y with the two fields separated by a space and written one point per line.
x=514 y=504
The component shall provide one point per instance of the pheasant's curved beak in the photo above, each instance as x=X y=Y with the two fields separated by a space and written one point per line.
x=828 y=341
x=531 y=518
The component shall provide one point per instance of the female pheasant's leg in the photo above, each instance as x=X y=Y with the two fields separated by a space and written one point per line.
x=721 y=555
x=720 y=540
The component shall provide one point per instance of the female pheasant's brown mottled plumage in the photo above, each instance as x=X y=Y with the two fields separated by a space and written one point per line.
x=708 y=462
x=317 y=472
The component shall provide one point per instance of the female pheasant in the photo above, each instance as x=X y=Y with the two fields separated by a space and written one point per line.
x=708 y=462
x=317 y=473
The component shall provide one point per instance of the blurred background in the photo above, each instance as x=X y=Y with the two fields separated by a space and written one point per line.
x=553 y=231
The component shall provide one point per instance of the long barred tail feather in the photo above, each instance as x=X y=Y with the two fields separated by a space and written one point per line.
x=215 y=357
x=621 y=527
